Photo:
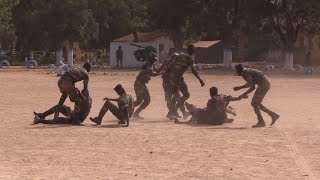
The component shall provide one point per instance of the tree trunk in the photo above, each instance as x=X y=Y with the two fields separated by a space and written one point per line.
x=31 y=57
x=59 y=57
x=227 y=57
x=70 y=54
x=288 y=65
x=178 y=40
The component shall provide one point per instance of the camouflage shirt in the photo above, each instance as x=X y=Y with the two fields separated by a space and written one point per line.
x=254 y=76
x=181 y=63
x=217 y=103
x=77 y=74
x=126 y=102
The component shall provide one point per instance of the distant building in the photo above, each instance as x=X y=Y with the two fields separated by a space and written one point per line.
x=208 y=52
x=159 y=40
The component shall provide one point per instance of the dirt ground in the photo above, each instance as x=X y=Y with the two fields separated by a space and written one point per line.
x=156 y=148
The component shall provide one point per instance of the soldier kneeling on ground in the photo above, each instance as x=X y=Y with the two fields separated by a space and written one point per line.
x=216 y=111
x=81 y=111
x=122 y=112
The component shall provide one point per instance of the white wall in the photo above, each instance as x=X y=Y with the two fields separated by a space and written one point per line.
x=129 y=60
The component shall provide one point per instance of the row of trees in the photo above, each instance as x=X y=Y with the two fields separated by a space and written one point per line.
x=47 y=23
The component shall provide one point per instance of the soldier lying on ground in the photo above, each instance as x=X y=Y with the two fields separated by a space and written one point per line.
x=122 y=112
x=81 y=111
x=216 y=111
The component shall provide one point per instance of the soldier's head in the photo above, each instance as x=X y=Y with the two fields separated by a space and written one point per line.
x=87 y=66
x=213 y=91
x=119 y=89
x=190 y=49
x=239 y=69
x=119 y=47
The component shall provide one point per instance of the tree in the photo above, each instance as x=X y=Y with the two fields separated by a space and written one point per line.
x=50 y=23
x=174 y=16
x=7 y=29
x=288 y=18
x=220 y=19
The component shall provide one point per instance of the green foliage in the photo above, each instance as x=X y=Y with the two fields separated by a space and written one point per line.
x=7 y=31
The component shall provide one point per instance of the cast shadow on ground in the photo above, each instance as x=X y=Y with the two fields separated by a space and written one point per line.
x=49 y=126
x=147 y=121
x=108 y=126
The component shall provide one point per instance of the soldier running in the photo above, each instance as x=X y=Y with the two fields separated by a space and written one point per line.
x=140 y=88
x=81 y=111
x=122 y=112
x=256 y=77
x=67 y=82
x=216 y=111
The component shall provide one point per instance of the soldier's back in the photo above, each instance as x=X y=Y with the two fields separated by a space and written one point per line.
x=77 y=73
x=257 y=76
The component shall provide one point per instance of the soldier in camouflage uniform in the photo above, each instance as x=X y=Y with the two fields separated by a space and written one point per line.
x=178 y=67
x=144 y=76
x=171 y=90
x=256 y=77
x=81 y=111
x=122 y=112
x=67 y=82
x=216 y=111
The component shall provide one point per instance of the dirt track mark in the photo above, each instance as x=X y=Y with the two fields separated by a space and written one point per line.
x=299 y=158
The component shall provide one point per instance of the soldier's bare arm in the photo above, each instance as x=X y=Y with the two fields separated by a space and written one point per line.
x=195 y=73
x=108 y=99
x=85 y=83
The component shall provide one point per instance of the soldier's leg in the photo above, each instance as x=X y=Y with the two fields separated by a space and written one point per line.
x=139 y=93
x=256 y=102
x=116 y=112
x=117 y=62
x=230 y=110
x=102 y=112
x=65 y=110
x=185 y=96
x=145 y=103
x=121 y=62
x=167 y=94
x=60 y=120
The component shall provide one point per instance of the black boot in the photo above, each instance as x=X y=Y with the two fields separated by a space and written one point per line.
x=261 y=122
x=274 y=117
x=98 y=119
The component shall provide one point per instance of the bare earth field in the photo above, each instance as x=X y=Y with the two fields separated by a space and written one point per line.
x=155 y=148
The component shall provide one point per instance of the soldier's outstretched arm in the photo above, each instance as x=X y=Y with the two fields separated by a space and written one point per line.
x=158 y=70
x=85 y=83
x=230 y=98
x=244 y=95
x=155 y=74
x=60 y=104
x=108 y=99
x=195 y=73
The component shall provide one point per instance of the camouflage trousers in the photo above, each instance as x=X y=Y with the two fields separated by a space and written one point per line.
x=65 y=110
x=257 y=101
x=114 y=109
x=205 y=116
x=171 y=93
x=183 y=88
x=143 y=96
